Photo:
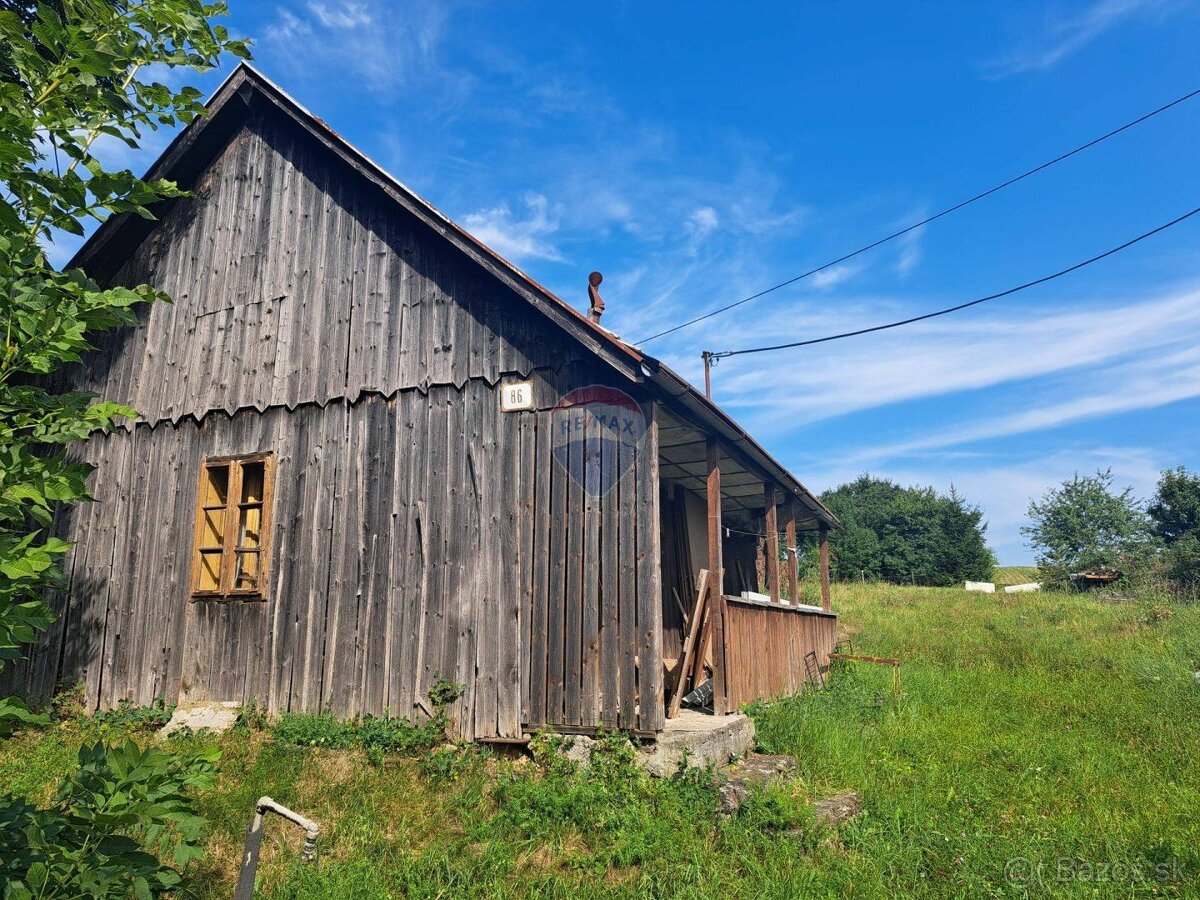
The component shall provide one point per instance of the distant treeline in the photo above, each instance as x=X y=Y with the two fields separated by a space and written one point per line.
x=910 y=535
x=914 y=535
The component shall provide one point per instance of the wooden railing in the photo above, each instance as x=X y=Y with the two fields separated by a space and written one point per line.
x=766 y=645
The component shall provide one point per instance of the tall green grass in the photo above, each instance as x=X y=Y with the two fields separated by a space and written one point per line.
x=1057 y=731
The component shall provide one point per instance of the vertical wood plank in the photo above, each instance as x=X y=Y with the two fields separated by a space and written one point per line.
x=629 y=520
x=824 y=555
x=793 y=562
x=610 y=580
x=558 y=597
x=540 y=629
x=771 y=527
x=590 y=702
x=576 y=448
x=716 y=566
x=651 y=714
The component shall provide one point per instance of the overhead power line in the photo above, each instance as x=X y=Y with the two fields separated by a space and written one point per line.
x=950 y=309
x=926 y=221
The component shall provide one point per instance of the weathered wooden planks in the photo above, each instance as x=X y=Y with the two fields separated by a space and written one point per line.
x=295 y=284
x=417 y=532
x=765 y=648
x=416 y=537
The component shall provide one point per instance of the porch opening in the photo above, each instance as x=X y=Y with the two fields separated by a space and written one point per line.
x=763 y=625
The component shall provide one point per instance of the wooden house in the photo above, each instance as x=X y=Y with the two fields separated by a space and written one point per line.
x=371 y=453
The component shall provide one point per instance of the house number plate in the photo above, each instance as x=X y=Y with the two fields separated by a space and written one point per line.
x=516 y=395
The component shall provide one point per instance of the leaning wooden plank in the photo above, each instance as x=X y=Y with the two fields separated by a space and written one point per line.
x=704 y=649
x=699 y=614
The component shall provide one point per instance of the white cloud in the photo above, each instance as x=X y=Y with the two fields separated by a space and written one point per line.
x=517 y=239
x=833 y=276
x=345 y=15
x=702 y=222
x=971 y=352
x=1063 y=36
x=352 y=36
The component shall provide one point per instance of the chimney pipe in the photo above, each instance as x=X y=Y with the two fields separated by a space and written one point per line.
x=595 y=301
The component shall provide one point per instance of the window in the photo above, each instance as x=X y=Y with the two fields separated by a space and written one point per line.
x=233 y=523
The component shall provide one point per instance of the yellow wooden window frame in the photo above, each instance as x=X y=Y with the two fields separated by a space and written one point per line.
x=232 y=546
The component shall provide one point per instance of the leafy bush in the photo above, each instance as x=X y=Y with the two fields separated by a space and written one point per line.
x=375 y=734
x=14 y=715
x=68 y=76
x=69 y=702
x=129 y=718
x=109 y=826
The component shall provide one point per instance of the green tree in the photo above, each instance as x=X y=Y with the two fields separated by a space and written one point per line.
x=906 y=534
x=1175 y=510
x=1175 y=518
x=72 y=72
x=1083 y=524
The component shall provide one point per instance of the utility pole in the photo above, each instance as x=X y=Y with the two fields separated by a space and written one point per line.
x=707 y=356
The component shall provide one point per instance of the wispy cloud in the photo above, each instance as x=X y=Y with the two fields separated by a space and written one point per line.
x=1063 y=35
x=362 y=37
x=910 y=251
x=702 y=222
x=1147 y=383
x=519 y=239
x=1146 y=342
x=345 y=15
x=834 y=275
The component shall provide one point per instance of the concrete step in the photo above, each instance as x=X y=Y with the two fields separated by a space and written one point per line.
x=699 y=740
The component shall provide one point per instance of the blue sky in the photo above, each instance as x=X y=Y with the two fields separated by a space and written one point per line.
x=698 y=153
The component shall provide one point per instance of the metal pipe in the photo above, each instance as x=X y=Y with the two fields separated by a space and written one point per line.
x=245 y=885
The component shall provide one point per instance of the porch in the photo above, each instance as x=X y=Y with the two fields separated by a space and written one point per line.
x=756 y=635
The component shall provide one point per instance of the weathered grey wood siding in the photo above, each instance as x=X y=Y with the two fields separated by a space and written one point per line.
x=417 y=531
x=295 y=281
x=411 y=540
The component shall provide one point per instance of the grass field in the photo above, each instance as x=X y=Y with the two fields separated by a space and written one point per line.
x=1015 y=574
x=1044 y=745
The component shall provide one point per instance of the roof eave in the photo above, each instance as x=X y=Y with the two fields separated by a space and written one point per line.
x=726 y=428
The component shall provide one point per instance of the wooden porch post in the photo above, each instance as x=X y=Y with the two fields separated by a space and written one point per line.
x=716 y=580
x=793 y=562
x=771 y=526
x=825 y=601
